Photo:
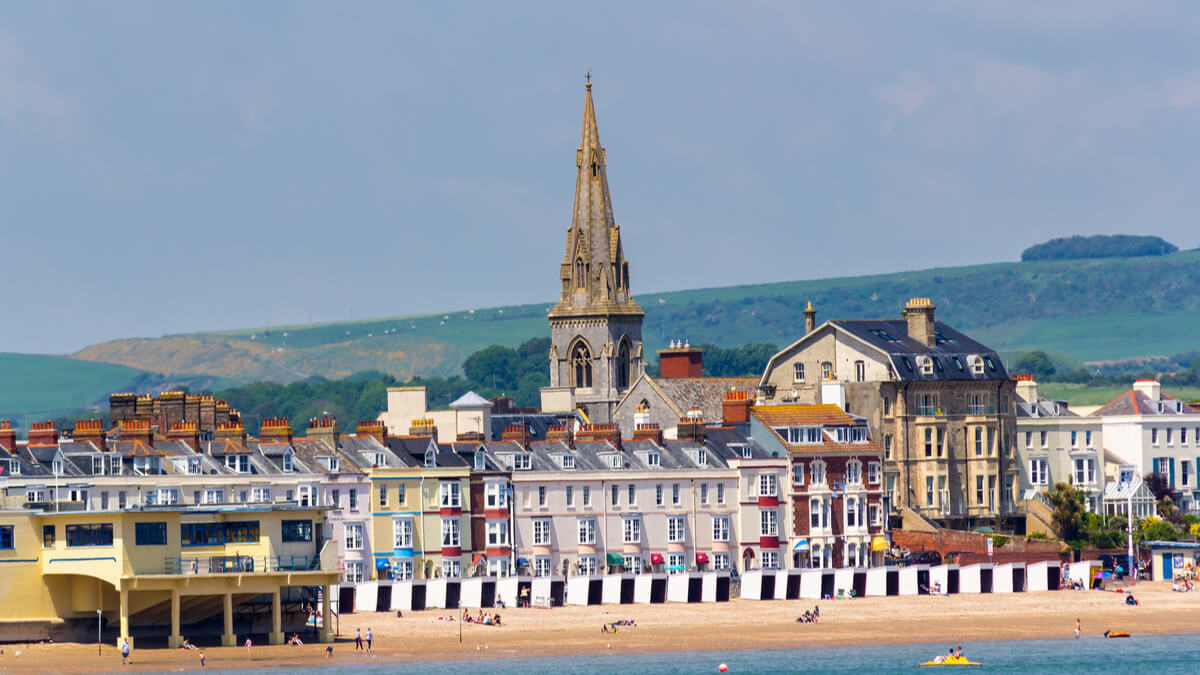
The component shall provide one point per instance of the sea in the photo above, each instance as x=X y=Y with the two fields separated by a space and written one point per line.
x=1158 y=654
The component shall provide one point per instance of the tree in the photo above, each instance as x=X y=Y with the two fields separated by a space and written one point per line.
x=1158 y=484
x=1161 y=530
x=1037 y=362
x=1067 y=505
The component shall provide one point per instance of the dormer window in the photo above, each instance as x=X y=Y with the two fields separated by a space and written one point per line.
x=241 y=463
x=14 y=467
x=57 y=466
x=287 y=462
x=614 y=461
x=702 y=457
x=97 y=466
x=330 y=463
x=958 y=363
x=568 y=461
x=926 y=364
x=430 y=457
x=801 y=435
x=858 y=434
x=521 y=462
x=193 y=466
x=480 y=461
x=976 y=365
x=653 y=460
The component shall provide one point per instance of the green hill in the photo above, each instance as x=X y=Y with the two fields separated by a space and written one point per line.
x=1092 y=309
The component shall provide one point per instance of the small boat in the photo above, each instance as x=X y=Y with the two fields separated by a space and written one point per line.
x=953 y=661
x=1115 y=634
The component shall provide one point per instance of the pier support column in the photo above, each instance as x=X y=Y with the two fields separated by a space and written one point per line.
x=327 y=615
x=276 y=636
x=175 y=641
x=124 y=632
x=228 y=639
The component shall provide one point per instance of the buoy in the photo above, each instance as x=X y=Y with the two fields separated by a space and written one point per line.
x=722 y=668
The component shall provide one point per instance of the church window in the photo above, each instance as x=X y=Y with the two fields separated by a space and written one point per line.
x=581 y=365
x=579 y=275
x=623 y=374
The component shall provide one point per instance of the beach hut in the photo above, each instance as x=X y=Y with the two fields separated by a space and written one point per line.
x=849 y=582
x=435 y=594
x=642 y=586
x=1009 y=578
x=471 y=592
x=613 y=589
x=541 y=592
x=943 y=579
x=779 y=583
x=678 y=586
x=883 y=581
x=810 y=584
x=914 y=580
x=975 y=578
x=402 y=596
x=366 y=594
x=791 y=583
x=1168 y=558
x=506 y=591
x=578 y=589
x=752 y=585
x=383 y=600
x=1084 y=571
x=1044 y=576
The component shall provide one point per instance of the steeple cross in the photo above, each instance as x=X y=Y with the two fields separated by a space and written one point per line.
x=588 y=77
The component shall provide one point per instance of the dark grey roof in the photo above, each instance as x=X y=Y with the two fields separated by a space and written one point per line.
x=410 y=451
x=950 y=353
x=537 y=423
x=1044 y=408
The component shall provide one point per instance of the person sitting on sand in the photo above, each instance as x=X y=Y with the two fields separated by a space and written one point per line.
x=603 y=628
x=1130 y=600
x=496 y=620
x=466 y=617
x=479 y=617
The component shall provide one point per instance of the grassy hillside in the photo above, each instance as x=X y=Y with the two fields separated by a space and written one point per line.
x=45 y=385
x=1113 y=308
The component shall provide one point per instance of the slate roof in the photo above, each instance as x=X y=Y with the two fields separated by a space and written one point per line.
x=537 y=423
x=1044 y=408
x=1134 y=402
x=891 y=337
x=705 y=393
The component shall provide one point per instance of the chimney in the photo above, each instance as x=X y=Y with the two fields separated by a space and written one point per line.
x=275 y=430
x=206 y=413
x=600 y=433
x=1026 y=387
x=188 y=432
x=172 y=406
x=423 y=426
x=121 y=406
x=222 y=414
x=377 y=429
x=810 y=318
x=691 y=426
x=143 y=406
x=43 y=433
x=680 y=360
x=8 y=436
x=561 y=434
x=648 y=432
x=1151 y=388
x=516 y=433
x=137 y=430
x=919 y=314
x=324 y=428
x=91 y=430
x=230 y=431
x=736 y=407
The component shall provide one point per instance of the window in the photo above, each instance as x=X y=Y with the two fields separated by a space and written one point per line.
x=851 y=512
x=675 y=493
x=887 y=405
x=307 y=495
x=1170 y=434
x=720 y=528
x=1039 y=473
x=587 y=496
x=767 y=485
x=587 y=565
x=353 y=499
x=1029 y=439
x=941 y=441
x=798 y=473
x=354 y=572
x=826 y=371
x=335 y=498
x=402 y=569
x=704 y=493
x=1043 y=438
x=48 y=532
x=675 y=529
x=928 y=442
x=653 y=460
x=383 y=494
x=451 y=532
x=120 y=500
x=451 y=568
x=6 y=537
x=1182 y=437
x=497 y=533
x=633 y=563
x=978 y=441
x=587 y=530
x=887 y=446
x=874 y=470
x=581 y=366
x=450 y=493
x=521 y=462
x=658 y=495
x=817 y=472
x=632 y=495
x=1074 y=439
x=854 y=472
x=1154 y=436
x=720 y=493
x=541 y=495
x=807 y=435
x=354 y=536
x=568 y=461
x=214 y=496
x=541 y=566
x=675 y=563
x=926 y=364
x=770 y=560
x=480 y=461
x=720 y=561
x=769 y=523
x=94 y=534
x=297 y=530
x=979 y=490
x=150 y=534
x=928 y=490
x=860 y=371
x=797 y=372
x=616 y=495
x=402 y=533
x=287 y=461
x=541 y=532
x=875 y=514
x=494 y=496
x=632 y=530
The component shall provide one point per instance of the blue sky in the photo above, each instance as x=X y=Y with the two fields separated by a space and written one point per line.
x=172 y=167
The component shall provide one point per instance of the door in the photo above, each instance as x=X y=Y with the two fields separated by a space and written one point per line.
x=1168 y=574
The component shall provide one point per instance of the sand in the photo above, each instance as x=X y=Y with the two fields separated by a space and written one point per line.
x=739 y=624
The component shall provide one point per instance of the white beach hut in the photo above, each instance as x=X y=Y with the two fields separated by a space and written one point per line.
x=1044 y=576
x=678 y=586
x=943 y=579
x=810 y=584
x=471 y=592
x=402 y=593
x=1009 y=578
x=752 y=585
x=366 y=594
x=913 y=578
x=435 y=594
x=843 y=581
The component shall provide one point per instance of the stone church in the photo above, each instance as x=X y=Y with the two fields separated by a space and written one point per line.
x=596 y=327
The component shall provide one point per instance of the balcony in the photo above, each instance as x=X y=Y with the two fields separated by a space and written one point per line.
x=239 y=564
x=930 y=410
x=981 y=410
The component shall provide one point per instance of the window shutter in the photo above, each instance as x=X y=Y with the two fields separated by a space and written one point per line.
x=1155 y=465
x=1171 y=464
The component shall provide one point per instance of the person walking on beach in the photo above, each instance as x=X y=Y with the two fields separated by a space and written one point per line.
x=370 y=637
x=124 y=651
x=329 y=651
x=1076 y=629
x=201 y=659
x=249 y=644
x=358 y=645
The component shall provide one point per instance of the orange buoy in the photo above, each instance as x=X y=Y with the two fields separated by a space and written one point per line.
x=722 y=668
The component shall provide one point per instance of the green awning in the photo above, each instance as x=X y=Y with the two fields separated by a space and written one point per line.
x=615 y=559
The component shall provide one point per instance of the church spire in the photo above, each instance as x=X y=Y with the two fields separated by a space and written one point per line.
x=594 y=274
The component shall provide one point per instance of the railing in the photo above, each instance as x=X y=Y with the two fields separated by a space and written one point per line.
x=930 y=410
x=981 y=410
x=955 y=507
x=229 y=564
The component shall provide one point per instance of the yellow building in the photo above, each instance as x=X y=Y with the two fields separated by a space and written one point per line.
x=156 y=566
x=425 y=513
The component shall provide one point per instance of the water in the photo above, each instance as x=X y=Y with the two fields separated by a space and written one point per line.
x=1159 y=654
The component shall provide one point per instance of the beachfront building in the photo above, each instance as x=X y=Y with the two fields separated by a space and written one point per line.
x=156 y=566
x=1054 y=444
x=1156 y=432
x=938 y=402
x=833 y=488
x=470 y=415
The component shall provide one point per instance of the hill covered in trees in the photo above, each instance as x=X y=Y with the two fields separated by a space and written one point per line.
x=1099 y=246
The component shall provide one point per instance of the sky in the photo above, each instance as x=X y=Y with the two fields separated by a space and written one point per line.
x=176 y=167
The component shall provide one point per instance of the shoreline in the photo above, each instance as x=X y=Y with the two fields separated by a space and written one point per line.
x=736 y=625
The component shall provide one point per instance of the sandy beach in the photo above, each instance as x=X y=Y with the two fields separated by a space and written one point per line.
x=739 y=624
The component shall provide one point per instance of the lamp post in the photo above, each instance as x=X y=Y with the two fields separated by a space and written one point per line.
x=98 y=611
x=1132 y=570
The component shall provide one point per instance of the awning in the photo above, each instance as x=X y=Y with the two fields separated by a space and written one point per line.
x=800 y=546
x=675 y=568
x=522 y=562
x=477 y=558
x=878 y=543
x=383 y=564
x=748 y=553
x=701 y=558
x=656 y=559
x=614 y=559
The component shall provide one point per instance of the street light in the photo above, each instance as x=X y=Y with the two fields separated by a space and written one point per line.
x=98 y=611
x=1132 y=570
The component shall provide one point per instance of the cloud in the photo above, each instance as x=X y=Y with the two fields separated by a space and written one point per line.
x=1013 y=87
x=907 y=94
x=1185 y=92
x=29 y=104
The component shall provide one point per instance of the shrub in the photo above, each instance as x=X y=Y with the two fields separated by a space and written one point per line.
x=1098 y=246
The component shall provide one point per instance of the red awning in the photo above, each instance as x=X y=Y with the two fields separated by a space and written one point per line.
x=701 y=558
x=477 y=558
x=656 y=559
x=748 y=553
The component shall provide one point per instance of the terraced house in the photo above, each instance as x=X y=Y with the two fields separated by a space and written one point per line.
x=939 y=403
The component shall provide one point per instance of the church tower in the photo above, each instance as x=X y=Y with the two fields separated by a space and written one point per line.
x=596 y=327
